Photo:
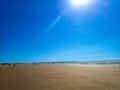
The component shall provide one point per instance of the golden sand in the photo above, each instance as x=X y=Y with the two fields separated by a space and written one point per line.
x=59 y=77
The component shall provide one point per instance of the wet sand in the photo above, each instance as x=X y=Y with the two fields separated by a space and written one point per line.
x=59 y=77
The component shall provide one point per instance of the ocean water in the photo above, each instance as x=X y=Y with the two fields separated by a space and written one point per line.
x=100 y=62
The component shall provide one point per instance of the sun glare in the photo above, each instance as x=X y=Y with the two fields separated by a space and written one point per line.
x=78 y=3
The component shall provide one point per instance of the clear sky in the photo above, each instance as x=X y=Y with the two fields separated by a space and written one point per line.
x=38 y=30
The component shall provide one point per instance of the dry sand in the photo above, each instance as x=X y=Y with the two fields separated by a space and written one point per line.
x=59 y=77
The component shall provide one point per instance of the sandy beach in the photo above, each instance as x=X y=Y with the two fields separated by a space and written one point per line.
x=59 y=77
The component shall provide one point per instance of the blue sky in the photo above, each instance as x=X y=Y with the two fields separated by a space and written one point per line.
x=89 y=33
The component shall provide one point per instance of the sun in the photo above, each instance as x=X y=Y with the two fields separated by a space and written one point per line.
x=78 y=3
